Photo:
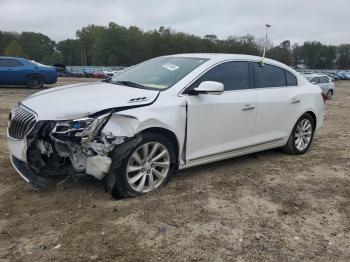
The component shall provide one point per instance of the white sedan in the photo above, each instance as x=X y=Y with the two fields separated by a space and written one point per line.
x=168 y=113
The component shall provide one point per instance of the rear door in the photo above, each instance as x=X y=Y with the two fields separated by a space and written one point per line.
x=218 y=124
x=279 y=98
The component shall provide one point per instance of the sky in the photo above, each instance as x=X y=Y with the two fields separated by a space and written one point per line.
x=298 y=20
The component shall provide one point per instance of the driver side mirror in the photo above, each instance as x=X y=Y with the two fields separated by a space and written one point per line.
x=209 y=87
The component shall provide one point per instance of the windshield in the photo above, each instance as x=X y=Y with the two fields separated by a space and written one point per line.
x=159 y=73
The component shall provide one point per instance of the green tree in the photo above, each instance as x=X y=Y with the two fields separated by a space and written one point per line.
x=343 y=57
x=14 y=49
x=38 y=47
x=5 y=39
x=282 y=53
x=69 y=52
x=315 y=55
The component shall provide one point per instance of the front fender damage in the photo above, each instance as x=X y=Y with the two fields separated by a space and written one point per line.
x=66 y=148
x=119 y=154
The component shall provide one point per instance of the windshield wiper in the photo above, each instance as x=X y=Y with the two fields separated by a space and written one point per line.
x=128 y=83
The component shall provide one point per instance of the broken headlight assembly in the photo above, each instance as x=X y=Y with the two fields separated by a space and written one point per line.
x=80 y=130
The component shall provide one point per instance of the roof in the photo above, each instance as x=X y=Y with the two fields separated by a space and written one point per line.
x=222 y=57
x=218 y=55
x=12 y=57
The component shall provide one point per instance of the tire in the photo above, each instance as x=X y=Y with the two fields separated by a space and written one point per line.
x=329 y=94
x=34 y=81
x=296 y=139
x=143 y=171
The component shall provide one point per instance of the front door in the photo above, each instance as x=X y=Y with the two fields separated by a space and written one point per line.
x=218 y=124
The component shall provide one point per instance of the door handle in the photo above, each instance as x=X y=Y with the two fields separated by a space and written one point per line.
x=295 y=100
x=248 y=107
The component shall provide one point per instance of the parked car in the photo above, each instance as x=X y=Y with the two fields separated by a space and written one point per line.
x=62 y=70
x=19 y=71
x=99 y=75
x=343 y=75
x=107 y=72
x=324 y=83
x=168 y=113
x=333 y=76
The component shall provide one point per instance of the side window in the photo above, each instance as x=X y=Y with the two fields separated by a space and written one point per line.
x=315 y=80
x=14 y=63
x=234 y=75
x=291 y=79
x=268 y=76
x=9 y=63
x=323 y=80
x=4 y=63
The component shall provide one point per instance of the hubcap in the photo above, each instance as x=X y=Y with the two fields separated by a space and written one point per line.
x=303 y=134
x=147 y=167
x=35 y=82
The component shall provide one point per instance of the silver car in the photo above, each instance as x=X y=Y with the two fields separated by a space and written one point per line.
x=324 y=82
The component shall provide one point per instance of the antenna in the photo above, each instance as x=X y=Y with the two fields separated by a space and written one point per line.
x=265 y=43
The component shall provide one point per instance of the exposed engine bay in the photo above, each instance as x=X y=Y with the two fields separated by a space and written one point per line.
x=77 y=148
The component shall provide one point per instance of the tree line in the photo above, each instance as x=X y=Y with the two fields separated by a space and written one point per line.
x=118 y=45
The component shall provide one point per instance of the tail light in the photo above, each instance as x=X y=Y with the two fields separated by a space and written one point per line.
x=324 y=97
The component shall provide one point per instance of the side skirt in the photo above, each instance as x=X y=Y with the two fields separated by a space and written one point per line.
x=234 y=153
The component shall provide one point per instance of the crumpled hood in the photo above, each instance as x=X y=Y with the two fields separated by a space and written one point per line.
x=80 y=100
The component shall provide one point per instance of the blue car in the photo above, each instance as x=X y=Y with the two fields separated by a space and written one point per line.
x=19 y=71
x=343 y=75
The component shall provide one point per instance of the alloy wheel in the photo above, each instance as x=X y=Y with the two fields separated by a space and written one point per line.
x=303 y=134
x=35 y=82
x=329 y=94
x=148 y=167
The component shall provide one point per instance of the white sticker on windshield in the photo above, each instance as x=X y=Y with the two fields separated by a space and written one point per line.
x=170 y=66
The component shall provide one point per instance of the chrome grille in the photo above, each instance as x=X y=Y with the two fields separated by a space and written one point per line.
x=22 y=122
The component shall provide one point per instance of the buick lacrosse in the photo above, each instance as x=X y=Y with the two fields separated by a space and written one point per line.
x=168 y=113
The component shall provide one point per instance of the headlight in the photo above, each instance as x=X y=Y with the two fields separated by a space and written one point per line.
x=84 y=128
x=81 y=123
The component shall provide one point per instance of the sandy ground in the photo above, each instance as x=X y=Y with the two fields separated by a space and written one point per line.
x=264 y=207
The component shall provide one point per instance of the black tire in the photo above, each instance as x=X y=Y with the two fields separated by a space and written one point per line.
x=121 y=188
x=329 y=94
x=291 y=147
x=34 y=81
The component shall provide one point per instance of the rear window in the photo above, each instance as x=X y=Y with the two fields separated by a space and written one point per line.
x=268 y=76
x=291 y=79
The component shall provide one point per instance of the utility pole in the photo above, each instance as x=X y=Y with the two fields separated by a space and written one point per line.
x=267 y=29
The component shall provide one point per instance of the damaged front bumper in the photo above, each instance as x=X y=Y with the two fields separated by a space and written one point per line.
x=27 y=174
x=17 y=148
x=75 y=148
x=18 y=157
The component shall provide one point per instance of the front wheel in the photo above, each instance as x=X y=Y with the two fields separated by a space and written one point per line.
x=146 y=168
x=34 y=81
x=329 y=94
x=301 y=137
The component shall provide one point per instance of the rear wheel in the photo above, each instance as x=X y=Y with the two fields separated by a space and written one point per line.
x=301 y=137
x=34 y=81
x=329 y=94
x=146 y=168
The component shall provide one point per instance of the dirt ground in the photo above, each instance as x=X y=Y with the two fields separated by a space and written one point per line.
x=264 y=207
